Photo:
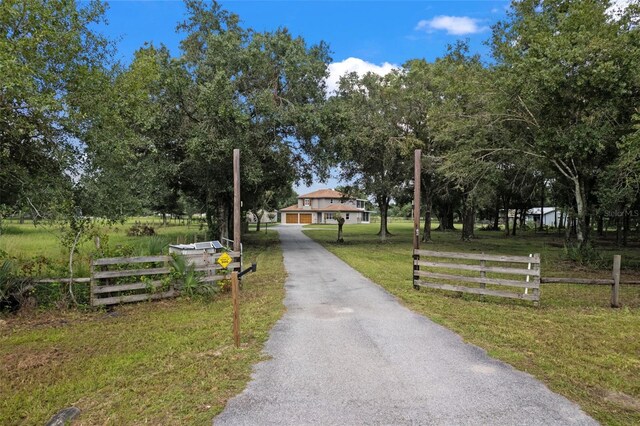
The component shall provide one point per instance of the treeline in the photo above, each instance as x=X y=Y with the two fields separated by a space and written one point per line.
x=551 y=119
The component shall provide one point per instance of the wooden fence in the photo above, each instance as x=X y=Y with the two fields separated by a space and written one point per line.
x=532 y=272
x=116 y=280
x=502 y=274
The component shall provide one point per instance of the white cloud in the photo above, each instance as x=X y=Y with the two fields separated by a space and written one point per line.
x=455 y=25
x=338 y=69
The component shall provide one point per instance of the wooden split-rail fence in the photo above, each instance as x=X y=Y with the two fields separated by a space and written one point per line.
x=516 y=277
x=508 y=275
x=116 y=280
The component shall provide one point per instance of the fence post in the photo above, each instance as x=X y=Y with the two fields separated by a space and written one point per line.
x=483 y=273
x=236 y=313
x=92 y=282
x=615 y=289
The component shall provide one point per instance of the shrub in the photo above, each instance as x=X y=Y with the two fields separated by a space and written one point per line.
x=15 y=292
x=140 y=230
x=189 y=281
x=585 y=255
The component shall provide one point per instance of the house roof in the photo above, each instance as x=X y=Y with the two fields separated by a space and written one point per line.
x=324 y=193
x=331 y=208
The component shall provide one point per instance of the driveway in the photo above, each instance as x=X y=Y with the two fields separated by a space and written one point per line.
x=347 y=353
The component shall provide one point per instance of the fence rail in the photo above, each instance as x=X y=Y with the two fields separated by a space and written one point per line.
x=532 y=271
x=431 y=277
x=107 y=290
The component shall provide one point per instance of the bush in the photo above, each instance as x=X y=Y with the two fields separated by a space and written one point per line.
x=15 y=292
x=140 y=230
x=189 y=281
x=585 y=255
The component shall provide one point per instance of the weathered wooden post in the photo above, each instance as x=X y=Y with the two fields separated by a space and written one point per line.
x=236 y=245
x=236 y=200
x=236 y=308
x=615 y=288
x=417 y=172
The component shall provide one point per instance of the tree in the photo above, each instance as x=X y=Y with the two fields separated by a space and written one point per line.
x=568 y=71
x=241 y=89
x=370 y=142
x=340 y=219
x=48 y=56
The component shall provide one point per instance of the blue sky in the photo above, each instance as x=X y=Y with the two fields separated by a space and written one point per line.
x=362 y=35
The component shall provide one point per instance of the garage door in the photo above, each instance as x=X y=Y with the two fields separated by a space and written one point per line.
x=292 y=217
x=305 y=217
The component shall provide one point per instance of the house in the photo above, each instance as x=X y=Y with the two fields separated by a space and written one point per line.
x=551 y=216
x=322 y=205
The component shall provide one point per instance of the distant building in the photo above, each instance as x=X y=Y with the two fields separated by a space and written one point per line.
x=551 y=216
x=322 y=205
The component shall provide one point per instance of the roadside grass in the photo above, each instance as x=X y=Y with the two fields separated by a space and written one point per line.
x=574 y=342
x=169 y=362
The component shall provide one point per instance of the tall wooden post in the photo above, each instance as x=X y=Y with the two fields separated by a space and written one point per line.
x=236 y=308
x=615 y=289
x=417 y=174
x=236 y=200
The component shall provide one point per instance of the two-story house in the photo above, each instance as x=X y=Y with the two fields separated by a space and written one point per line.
x=321 y=206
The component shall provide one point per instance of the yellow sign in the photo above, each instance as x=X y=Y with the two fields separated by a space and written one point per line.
x=224 y=260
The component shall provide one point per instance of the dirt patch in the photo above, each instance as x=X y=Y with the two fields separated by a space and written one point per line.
x=620 y=399
x=31 y=360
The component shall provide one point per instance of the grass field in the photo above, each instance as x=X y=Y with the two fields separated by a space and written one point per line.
x=169 y=362
x=37 y=250
x=573 y=342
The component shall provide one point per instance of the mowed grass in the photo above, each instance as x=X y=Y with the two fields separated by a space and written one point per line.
x=574 y=342
x=170 y=362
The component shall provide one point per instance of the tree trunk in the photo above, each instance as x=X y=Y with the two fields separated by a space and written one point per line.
x=223 y=218
x=506 y=218
x=468 y=221
x=496 y=219
x=340 y=225
x=523 y=216
x=426 y=234
x=445 y=217
x=600 y=225
x=582 y=228
x=383 y=203
x=569 y=225
x=618 y=230
x=626 y=222
x=164 y=219
x=257 y=222
x=211 y=222
x=515 y=222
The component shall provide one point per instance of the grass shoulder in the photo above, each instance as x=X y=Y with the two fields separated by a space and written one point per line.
x=169 y=362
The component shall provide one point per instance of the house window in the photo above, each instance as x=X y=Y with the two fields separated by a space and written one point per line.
x=360 y=204
x=331 y=201
x=346 y=216
x=307 y=202
x=328 y=216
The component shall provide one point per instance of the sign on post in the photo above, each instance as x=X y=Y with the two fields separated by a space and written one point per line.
x=224 y=260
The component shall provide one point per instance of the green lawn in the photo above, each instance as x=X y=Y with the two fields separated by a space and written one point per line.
x=169 y=362
x=573 y=342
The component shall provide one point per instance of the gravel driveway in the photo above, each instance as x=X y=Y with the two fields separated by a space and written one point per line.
x=347 y=353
